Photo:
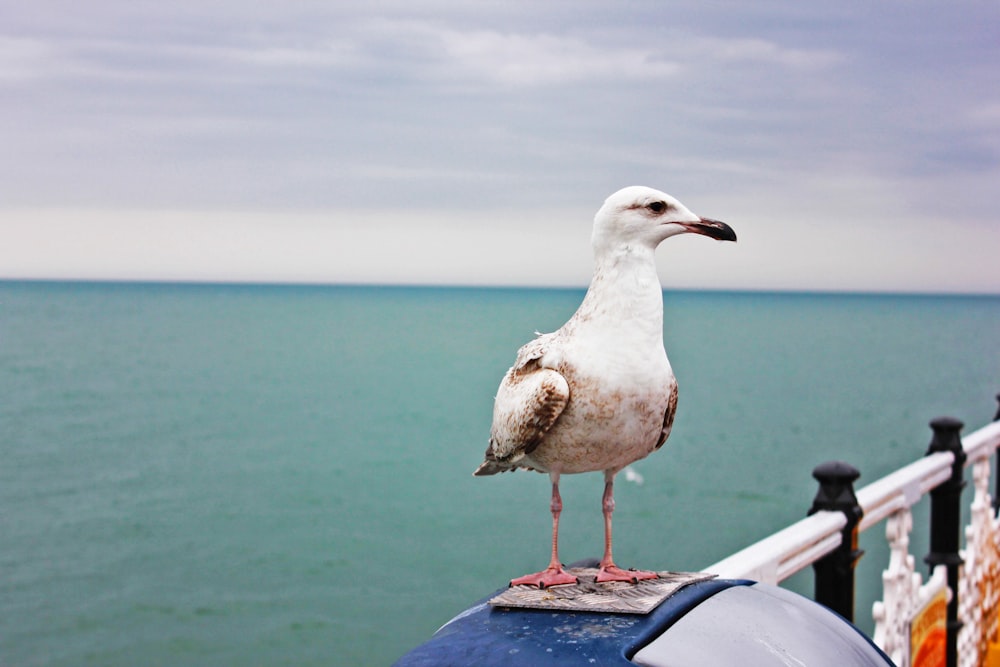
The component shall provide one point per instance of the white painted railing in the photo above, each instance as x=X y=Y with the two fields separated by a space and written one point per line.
x=784 y=553
x=890 y=498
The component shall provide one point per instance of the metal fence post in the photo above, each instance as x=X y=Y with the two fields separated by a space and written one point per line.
x=835 y=571
x=946 y=521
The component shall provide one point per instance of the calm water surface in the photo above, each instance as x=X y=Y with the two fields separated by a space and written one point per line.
x=206 y=475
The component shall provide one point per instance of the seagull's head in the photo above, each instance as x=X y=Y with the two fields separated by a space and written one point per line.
x=638 y=215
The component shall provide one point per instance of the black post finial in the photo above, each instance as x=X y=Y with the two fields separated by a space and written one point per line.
x=947 y=438
x=946 y=521
x=835 y=571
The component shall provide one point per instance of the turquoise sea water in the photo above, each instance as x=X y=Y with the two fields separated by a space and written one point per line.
x=242 y=475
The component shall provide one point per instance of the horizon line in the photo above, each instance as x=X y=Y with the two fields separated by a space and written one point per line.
x=192 y=282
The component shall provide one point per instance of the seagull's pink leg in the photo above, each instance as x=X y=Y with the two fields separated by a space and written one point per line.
x=608 y=570
x=554 y=574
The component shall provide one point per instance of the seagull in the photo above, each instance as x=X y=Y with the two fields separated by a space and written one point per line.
x=598 y=393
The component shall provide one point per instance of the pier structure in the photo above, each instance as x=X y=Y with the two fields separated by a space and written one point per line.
x=954 y=608
x=943 y=611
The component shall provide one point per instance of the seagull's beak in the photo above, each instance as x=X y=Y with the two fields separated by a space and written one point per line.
x=711 y=228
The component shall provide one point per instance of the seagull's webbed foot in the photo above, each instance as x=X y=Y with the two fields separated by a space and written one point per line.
x=614 y=573
x=551 y=576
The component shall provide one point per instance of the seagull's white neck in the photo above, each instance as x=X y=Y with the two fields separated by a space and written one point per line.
x=625 y=293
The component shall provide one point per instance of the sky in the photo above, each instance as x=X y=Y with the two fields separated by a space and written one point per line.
x=852 y=145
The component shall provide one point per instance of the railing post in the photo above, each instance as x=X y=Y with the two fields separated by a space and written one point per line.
x=946 y=521
x=835 y=571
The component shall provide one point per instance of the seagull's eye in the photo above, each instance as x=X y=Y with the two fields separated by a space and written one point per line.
x=657 y=206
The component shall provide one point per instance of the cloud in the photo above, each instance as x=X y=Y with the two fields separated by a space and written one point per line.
x=422 y=51
x=986 y=114
x=757 y=51
x=23 y=59
x=785 y=110
x=436 y=54
x=542 y=59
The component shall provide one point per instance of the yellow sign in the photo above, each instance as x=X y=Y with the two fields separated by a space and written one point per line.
x=929 y=633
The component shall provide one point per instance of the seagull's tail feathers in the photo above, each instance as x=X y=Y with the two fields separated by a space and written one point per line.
x=493 y=467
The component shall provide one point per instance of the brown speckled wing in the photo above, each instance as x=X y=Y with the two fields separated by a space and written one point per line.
x=668 y=416
x=529 y=401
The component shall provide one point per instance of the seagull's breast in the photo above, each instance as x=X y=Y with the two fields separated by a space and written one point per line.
x=619 y=390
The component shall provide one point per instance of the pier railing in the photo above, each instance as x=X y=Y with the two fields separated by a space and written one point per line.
x=966 y=580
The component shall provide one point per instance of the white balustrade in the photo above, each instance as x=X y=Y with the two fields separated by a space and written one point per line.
x=890 y=498
x=903 y=590
x=979 y=587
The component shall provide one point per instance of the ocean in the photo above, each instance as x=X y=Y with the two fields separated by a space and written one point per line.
x=281 y=475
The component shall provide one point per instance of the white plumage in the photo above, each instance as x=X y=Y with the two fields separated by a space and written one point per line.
x=598 y=393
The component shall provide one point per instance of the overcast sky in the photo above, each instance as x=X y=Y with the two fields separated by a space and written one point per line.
x=852 y=145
